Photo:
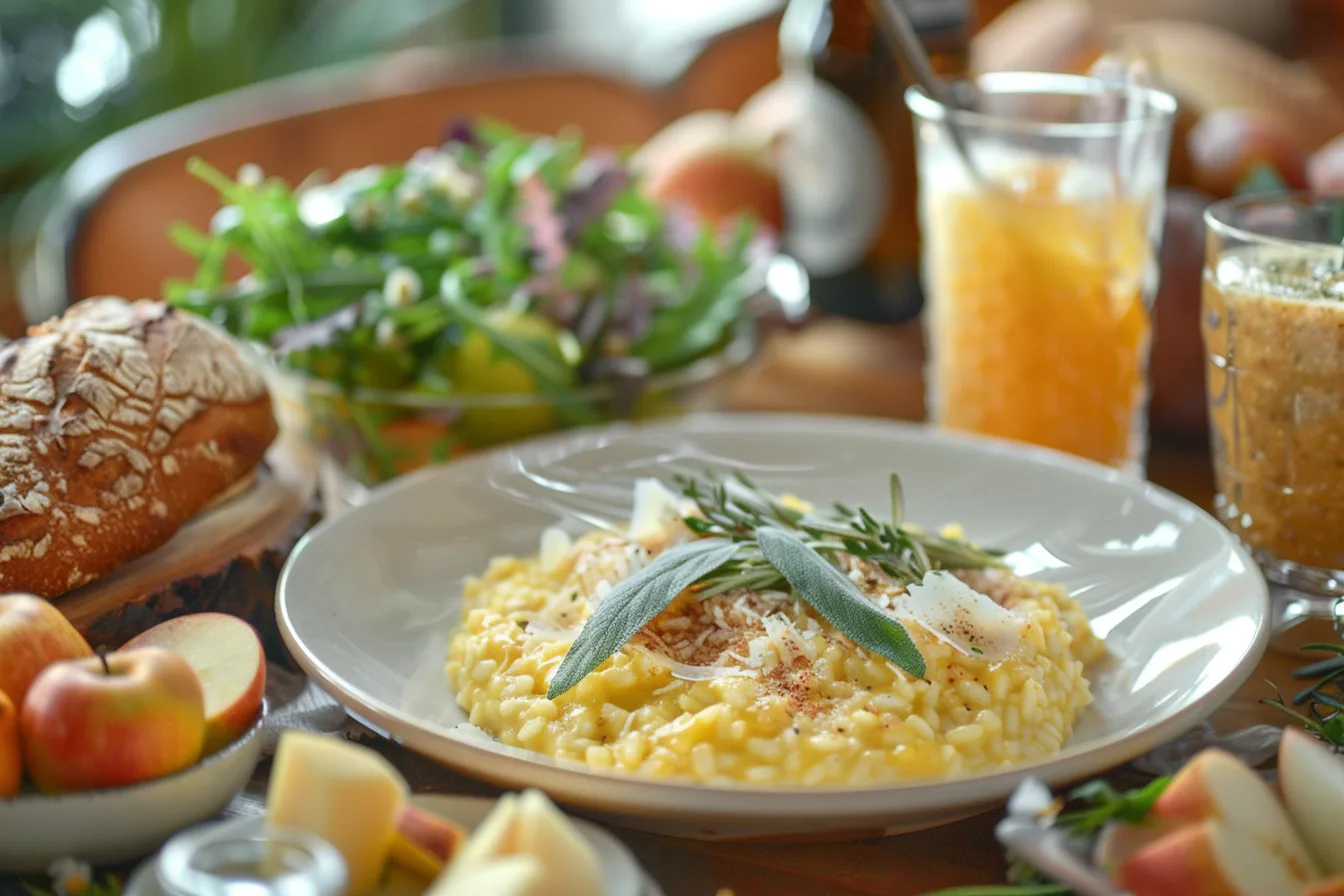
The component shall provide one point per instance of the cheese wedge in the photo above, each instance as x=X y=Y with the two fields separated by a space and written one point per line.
x=507 y=876
x=348 y=795
x=530 y=825
x=572 y=867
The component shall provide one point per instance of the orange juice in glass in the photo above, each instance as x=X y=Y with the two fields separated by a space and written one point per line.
x=1039 y=259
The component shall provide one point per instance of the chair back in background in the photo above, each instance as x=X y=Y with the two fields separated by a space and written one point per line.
x=105 y=232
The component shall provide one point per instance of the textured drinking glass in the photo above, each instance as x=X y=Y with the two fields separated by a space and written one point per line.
x=1273 y=326
x=1040 y=259
x=243 y=857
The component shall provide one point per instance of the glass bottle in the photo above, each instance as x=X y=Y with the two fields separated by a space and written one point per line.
x=242 y=857
x=848 y=163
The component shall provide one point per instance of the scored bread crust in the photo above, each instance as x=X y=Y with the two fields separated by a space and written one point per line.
x=119 y=421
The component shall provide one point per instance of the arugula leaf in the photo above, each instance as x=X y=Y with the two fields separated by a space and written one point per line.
x=633 y=602
x=834 y=596
x=683 y=331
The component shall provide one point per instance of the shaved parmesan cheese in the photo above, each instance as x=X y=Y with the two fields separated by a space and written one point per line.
x=655 y=509
x=783 y=636
x=686 y=671
x=959 y=615
x=555 y=547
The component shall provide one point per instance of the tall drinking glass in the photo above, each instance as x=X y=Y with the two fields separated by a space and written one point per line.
x=1273 y=327
x=1040 y=259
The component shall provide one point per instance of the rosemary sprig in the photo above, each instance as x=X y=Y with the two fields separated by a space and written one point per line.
x=735 y=508
x=1322 y=702
x=751 y=539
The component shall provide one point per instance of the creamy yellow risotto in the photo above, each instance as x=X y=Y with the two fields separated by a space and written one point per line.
x=757 y=686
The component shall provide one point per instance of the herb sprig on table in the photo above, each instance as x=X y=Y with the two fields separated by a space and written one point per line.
x=750 y=539
x=1321 y=703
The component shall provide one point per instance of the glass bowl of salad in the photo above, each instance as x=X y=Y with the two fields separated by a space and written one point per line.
x=500 y=286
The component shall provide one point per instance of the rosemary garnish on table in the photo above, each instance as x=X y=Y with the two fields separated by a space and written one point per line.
x=749 y=539
x=1321 y=702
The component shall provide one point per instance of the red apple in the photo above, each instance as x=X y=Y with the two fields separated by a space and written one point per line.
x=111 y=721
x=11 y=757
x=1226 y=145
x=227 y=657
x=708 y=162
x=33 y=635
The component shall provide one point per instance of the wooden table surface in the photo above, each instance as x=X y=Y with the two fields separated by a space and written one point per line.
x=845 y=368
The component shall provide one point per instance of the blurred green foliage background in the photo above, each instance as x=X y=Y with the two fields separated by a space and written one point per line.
x=73 y=71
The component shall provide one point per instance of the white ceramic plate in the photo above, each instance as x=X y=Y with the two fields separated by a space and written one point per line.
x=367 y=599
x=108 y=826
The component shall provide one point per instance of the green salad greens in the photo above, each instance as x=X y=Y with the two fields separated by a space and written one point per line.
x=510 y=282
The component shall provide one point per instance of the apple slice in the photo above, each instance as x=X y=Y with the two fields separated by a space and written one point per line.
x=1118 y=841
x=228 y=658
x=1312 y=779
x=1217 y=786
x=424 y=843
x=1212 y=858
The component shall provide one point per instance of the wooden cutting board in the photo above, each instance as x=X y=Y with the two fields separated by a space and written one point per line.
x=251 y=529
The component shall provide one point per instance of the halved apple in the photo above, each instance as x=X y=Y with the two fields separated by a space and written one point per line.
x=1312 y=779
x=1213 y=858
x=228 y=658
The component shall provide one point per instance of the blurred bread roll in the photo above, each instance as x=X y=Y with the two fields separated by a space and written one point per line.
x=1208 y=68
x=1040 y=36
x=1269 y=23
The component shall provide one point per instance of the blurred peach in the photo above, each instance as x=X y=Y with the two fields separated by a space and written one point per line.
x=1226 y=145
x=1325 y=169
x=1176 y=367
x=705 y=162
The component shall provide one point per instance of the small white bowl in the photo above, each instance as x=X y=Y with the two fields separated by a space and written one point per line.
x=106 y=826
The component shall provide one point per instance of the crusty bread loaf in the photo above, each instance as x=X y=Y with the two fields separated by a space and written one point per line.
x=119 y=421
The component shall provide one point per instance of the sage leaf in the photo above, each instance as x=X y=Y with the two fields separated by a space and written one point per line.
x=633 y=602
x=834 y=596
x=897 y=502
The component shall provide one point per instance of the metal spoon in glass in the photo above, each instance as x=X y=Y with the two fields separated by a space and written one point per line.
x=905 y=44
